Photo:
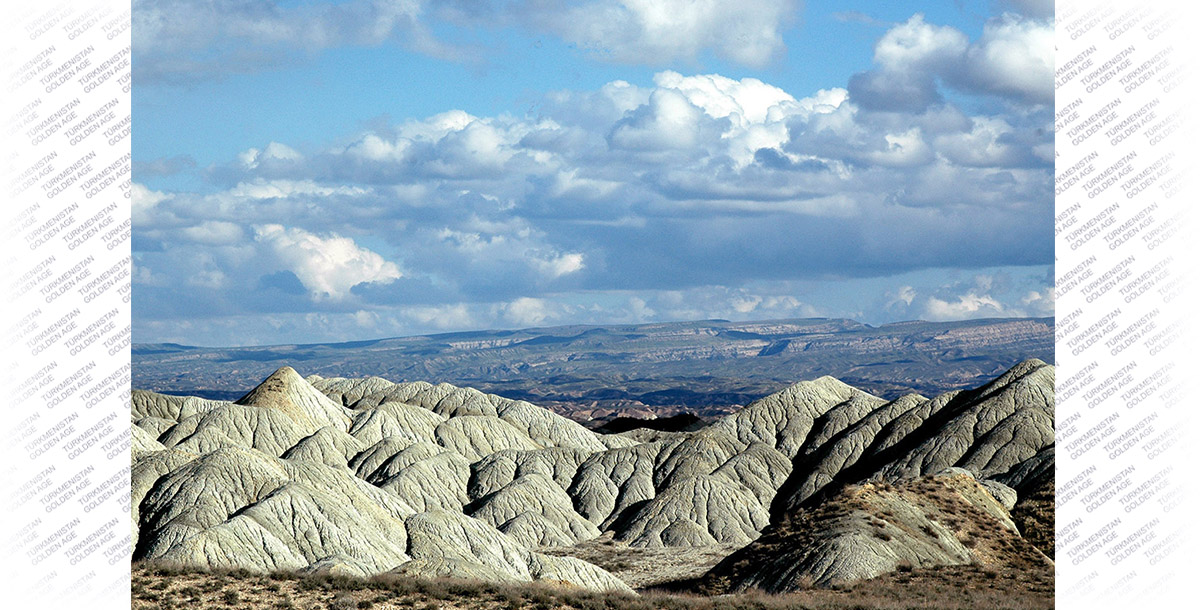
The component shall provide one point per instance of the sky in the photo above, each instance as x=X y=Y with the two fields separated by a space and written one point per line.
x=334 y=171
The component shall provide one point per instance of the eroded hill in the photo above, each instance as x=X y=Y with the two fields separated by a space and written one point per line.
x=365 y=476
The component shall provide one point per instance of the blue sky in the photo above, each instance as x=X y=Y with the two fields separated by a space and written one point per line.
x=316 y=171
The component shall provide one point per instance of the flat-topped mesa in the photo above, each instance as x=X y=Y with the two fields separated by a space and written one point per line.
x=286 y=391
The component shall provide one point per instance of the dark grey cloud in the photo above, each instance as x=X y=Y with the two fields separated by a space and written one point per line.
x=894 y=91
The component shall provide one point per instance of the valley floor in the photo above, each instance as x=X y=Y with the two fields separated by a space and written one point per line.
x=162 y=588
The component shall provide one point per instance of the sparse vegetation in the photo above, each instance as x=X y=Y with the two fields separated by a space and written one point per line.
x=967 y=586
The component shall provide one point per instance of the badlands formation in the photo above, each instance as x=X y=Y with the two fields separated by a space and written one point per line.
x=819 y=483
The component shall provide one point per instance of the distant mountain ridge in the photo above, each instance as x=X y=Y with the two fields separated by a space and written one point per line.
x=641 y=370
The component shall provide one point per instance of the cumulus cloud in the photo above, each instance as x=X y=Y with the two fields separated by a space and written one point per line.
x=917 y=45
x=746 y=101
x=253 y=157
x=490 y=253
x=144 y=202
x=695 y=180
x=1040 y=302
x=1013 y=59
x=965 y=306
x=328 y=266
x=526 y=311
x=676 y=198
x=558 y=266
x=283 y=189
x=669 y=121
x=986 y=295
x=910 y=57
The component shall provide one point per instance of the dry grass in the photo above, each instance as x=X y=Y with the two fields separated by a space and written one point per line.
x=1034 y=516
x=164 y=588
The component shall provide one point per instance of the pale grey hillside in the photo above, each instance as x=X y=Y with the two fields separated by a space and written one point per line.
x=365 y=476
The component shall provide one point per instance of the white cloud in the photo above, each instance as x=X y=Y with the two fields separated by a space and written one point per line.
x=280 y=189
x=494 y=250
x=366 y=319
x=757 y=112
x=561 y=265
x=639 y=311
x=614 y=187
x=477 y=146
x=181 y=40
x=144 y=202
x=526 y=311
x=745 y=101
x=918 y=45
x=1014 y=57
x=987 y=144
x=668 y=121
x=253 y=157
x=906 y=149
x=327 y=266
x=143 y=275
x=746 y=303
x=1040 y=303
x=699 y=186
x=966 y=306
x=371 y=146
